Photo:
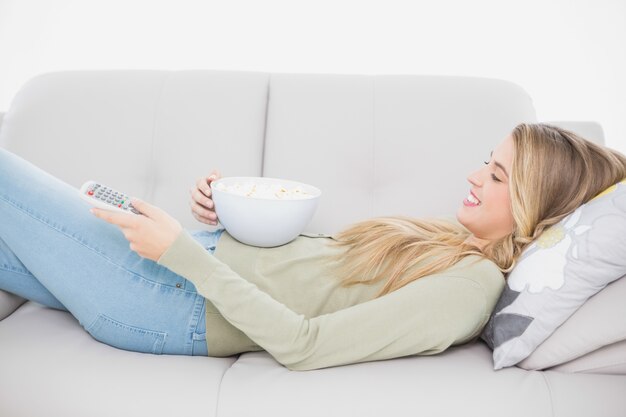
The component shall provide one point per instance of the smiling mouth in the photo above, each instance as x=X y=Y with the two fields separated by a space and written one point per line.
x=471 y=200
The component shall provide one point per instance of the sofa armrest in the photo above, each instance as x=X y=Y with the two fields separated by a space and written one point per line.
x=9 y=303
x=587 y=129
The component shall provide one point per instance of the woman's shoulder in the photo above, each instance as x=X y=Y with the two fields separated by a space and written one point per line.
x=481 y=271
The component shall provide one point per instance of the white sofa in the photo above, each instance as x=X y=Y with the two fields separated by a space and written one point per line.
x=375 y=145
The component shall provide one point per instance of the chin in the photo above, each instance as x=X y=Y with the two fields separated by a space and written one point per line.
x=462 y=218
x=459 y=216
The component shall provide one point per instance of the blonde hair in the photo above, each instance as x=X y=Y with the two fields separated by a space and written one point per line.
x=554 y=171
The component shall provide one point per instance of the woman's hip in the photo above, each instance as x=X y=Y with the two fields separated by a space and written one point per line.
x=149 y=317
x=162 y=314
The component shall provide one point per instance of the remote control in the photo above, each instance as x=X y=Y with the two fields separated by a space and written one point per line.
x=106 y=198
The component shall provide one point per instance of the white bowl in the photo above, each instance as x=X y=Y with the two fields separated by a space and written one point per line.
x=263 y=220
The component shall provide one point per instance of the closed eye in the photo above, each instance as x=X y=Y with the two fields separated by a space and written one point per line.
x=493 y=176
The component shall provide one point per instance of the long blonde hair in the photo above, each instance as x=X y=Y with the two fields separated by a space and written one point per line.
x=554 y=171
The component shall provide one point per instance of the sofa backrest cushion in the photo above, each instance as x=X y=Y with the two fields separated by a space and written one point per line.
x=386 y=145
x=609 y=359
x=150 y=134
x=375 y=145
x=596 y=325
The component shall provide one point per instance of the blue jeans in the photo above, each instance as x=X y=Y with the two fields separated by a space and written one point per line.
x=55 y=252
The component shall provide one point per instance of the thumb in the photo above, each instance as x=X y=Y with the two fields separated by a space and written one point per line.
x=215 y=174
x=145 y=208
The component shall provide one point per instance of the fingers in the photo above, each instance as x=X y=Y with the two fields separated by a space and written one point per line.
x=198 y=197
x=203 y=185
x=202 y=214
x=202 y=205
x=203 y=211
x=215 y=174
x=120 y=219
x=204 y=219
x=146 y=209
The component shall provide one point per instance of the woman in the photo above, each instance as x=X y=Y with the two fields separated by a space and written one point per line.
x=383 y=288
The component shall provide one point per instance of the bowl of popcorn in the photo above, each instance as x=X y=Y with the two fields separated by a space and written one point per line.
x=264 y=212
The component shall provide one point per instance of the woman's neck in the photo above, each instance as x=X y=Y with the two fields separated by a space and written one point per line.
x=481 y=243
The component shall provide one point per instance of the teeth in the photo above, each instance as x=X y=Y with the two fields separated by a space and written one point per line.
x=472 y=199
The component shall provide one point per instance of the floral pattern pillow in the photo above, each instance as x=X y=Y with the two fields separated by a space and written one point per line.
x=556 y=274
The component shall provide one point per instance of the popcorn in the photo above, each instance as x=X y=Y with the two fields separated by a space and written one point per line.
x=266 y=191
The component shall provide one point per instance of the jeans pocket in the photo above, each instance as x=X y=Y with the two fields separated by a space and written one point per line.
x=123 y=336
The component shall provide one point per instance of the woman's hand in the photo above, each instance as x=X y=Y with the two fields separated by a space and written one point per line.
x=202 y=205
x=149 y=234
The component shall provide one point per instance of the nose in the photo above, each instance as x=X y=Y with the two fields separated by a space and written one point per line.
x=475 y=178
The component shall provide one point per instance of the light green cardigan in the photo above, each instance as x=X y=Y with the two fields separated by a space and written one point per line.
x=288 y=301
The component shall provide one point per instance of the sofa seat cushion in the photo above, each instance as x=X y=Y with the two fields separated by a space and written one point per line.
x=459 y=381
x=9 y=303
x=50 y=363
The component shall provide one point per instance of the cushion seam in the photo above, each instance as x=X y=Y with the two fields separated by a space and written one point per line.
x=549 y=388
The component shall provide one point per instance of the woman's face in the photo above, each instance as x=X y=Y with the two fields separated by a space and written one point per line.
x=486 y=211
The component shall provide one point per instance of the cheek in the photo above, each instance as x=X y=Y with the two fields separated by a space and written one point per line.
x=504 y=207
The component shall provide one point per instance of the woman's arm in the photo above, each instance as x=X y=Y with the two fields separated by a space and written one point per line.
x=426 y=316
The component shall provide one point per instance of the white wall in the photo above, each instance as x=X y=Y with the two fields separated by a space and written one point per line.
x=570 y=55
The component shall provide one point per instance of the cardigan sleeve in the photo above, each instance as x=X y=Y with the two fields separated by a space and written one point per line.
x=423 y=317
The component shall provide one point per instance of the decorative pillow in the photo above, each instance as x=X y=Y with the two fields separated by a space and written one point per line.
x=597 y=323
x=557 y=273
